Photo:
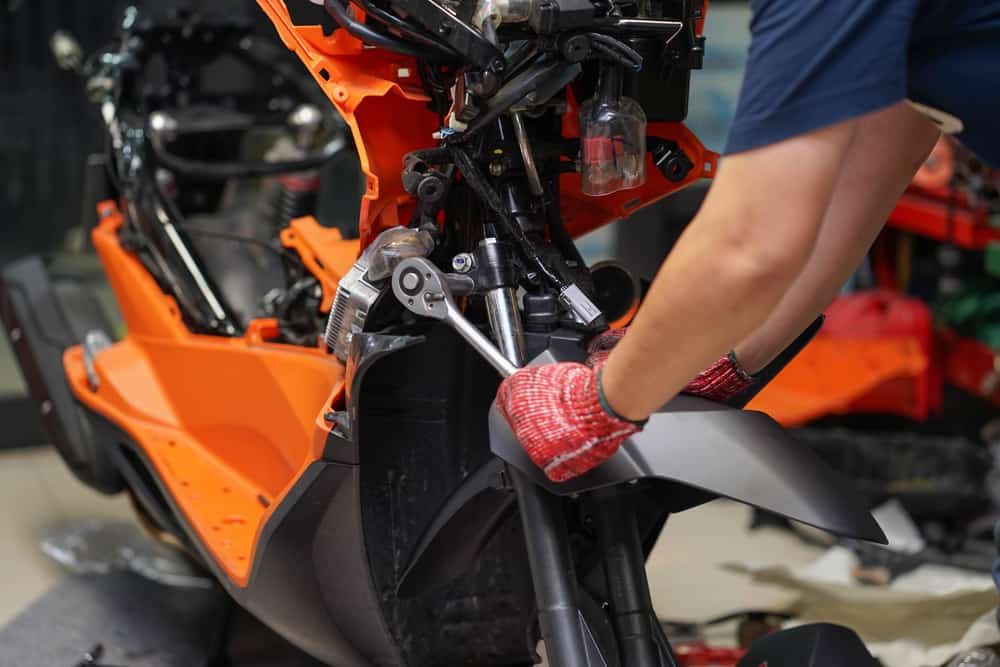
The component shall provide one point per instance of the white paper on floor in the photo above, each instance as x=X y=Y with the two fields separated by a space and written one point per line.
x=910 y=623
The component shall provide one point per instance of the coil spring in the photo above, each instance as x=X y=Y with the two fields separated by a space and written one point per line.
x=294 y=202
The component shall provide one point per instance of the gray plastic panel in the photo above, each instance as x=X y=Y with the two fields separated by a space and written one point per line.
x=738 y=454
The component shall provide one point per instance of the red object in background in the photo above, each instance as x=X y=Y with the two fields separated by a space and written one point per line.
x=935 y=208
x=875 y=354
x=938 y=170
x=935 y=217
x=700 y=654
x=971 y=365
x=882 y=314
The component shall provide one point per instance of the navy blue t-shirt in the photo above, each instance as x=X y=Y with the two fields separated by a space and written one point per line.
x=813 y=63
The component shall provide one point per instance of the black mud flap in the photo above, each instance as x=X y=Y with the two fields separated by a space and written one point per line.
x=42 y=319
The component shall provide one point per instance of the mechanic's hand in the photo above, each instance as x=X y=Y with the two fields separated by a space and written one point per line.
x=556 y=414
x=719 y=382
x=600 y=346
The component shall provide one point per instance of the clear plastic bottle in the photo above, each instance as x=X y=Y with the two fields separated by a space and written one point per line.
x=612 y=138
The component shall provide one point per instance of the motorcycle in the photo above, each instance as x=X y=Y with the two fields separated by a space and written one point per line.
x=327 y=447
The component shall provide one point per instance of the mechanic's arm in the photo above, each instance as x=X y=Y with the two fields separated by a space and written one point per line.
x=889 y=146
x=730 y=268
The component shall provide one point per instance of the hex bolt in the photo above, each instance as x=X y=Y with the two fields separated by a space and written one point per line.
x=410 y=280
x=463 y=262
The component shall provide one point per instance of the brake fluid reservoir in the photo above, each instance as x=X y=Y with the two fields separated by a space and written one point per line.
x=612 y=139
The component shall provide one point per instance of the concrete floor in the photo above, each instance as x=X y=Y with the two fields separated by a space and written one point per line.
x=40 y=495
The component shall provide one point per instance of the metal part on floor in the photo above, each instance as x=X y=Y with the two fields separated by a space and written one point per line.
x=124 y=620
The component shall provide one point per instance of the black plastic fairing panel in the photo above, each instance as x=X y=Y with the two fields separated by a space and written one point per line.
x=739 y=454
x=43 y=318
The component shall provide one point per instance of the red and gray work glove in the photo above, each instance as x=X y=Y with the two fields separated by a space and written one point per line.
x=719 y=382
x=559 y=415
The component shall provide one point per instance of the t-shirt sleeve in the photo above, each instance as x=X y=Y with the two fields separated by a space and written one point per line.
x=813 y=63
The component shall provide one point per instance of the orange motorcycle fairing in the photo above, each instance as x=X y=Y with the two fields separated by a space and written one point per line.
x=229 y=424
x=380 y=97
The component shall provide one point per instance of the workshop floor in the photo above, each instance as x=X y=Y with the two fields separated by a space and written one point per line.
x=39 y=495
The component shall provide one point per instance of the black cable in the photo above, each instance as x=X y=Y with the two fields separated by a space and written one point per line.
x=339 y=13
x=616 y=44
x=220 y=171
x=390 y=20
x=614 y=56
x=477 y=181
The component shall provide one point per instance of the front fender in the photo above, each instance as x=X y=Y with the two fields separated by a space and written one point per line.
x=738 y=454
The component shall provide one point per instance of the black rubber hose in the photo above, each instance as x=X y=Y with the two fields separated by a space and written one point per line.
x=220 y=171
x=338 y=11
x=615 y=56
x=618 y=45
x=390 y=20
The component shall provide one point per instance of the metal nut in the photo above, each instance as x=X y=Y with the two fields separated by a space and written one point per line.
x=463 y=262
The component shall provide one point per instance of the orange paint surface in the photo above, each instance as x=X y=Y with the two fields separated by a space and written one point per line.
x=833 y=375
x=379 y=95
x=324 y=252
x=228 y=423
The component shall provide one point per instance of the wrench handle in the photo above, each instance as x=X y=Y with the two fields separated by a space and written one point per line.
x=478 y=341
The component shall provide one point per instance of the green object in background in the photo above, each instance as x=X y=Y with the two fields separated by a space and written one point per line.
x=989 y=333
x=991 y=258
x=974 y=312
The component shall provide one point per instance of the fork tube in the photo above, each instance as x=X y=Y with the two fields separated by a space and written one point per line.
x=552 y=573
x=505 y=320
x=631 y=608
x=545 y=536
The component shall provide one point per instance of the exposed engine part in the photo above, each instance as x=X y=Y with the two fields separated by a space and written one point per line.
x=297 y=311
x=296 y=193
x=294 y=197
x=424 y=291
x=355 y=297
x=361 y=287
